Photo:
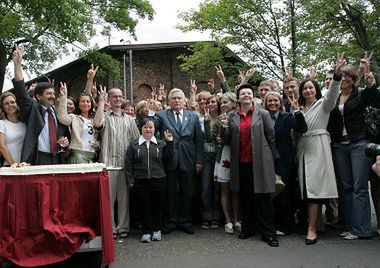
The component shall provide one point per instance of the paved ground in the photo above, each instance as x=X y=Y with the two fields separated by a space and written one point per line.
x=214 y=248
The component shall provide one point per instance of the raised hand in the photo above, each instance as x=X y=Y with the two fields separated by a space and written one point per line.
x=369 y=79
x=250 y=72
x=152 y=105
x=17 y=54
x=211 y=85
x=240 y=76
x=103 y=93
x=92 y=72
x=154 y=93
x=293 y=101
x=289 y=72
x=63 y=89
x=161 y=92
x=223 y=119
x=220 y=73
x=193 y=87
x=364 y=62
x=168 y=135
x=340 y=63
x=206 y=115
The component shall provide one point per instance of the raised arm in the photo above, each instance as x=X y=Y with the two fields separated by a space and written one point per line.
x=63 y=117
x=90 y=81
x=333 y=93
x=99 y=115
x=24 y=101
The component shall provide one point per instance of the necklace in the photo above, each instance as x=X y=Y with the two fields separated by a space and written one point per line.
x=344 y=97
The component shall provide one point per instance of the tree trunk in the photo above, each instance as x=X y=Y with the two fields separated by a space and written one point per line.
x=3 y=65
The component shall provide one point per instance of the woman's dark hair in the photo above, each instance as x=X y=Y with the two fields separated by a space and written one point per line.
x=244 y=86
x=144 y=121
x=301 y=99
x=77 y=111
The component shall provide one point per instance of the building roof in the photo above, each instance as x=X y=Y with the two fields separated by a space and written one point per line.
x=133 y=47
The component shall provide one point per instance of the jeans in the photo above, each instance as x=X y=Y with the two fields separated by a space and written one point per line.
x=210 y=192
x=352 y=168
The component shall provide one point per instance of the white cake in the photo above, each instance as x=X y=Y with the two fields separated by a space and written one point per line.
x=53 y=169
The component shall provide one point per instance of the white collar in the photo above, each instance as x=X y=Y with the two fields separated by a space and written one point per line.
x=142 y=140
x=180 y=112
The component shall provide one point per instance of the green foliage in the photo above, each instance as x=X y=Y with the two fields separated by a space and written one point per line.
x=46 y=27
x=275 y=34
x=109 y=66
x=204 y=56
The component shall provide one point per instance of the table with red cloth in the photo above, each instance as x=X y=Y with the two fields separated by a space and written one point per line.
x=47 y=212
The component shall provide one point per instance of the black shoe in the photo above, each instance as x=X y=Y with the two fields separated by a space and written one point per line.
x=309 y=242
x=272 y=241
x=187 y=229
x=245 y=235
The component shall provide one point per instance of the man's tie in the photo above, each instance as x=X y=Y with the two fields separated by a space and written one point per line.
x=52 y=133
x=178 y=119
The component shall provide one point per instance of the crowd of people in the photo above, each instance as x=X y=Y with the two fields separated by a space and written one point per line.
x=265 y=163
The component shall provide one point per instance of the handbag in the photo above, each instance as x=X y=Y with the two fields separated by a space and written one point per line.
x=279 y=184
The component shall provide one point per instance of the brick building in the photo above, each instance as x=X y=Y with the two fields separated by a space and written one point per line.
x=152 y=64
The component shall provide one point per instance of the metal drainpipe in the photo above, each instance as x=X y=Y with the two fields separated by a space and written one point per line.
x=131 y=74
x=124 y=78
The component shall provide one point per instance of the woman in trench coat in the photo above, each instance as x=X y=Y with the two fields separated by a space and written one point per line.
x=315 y=166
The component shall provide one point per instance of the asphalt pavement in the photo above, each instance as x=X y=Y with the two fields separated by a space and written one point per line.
x=214 y=248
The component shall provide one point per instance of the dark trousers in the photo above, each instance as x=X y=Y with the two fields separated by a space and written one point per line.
x=180 y=217
x=256 y=208
x=284 y=209
x=150 y=198
x=48 y=159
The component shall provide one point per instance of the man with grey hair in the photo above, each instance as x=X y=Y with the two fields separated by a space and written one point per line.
x=118 y=130
x=188 y=156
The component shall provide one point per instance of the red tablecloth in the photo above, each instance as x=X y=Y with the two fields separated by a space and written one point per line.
x=44 y=219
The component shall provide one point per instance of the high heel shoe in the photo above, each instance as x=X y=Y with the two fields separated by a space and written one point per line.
x=309 y=242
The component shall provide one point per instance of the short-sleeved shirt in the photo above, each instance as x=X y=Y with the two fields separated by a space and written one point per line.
x=14 y=138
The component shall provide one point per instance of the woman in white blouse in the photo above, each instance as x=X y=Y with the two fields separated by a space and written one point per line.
x=12 y=130
x=83 y=123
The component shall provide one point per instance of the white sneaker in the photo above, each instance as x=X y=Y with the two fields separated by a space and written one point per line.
x=279 y=233
x=351 y=237
x=146 y=238
x=229 y=228
x=238 y=226
x=344 y=234
x=156 y=236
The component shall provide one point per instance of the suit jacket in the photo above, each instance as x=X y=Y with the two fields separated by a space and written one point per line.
x=284 y=144
x=263 y=150
x=188 y=141
x=32 y=114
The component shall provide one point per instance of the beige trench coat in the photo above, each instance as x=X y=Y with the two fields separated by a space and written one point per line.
x=263 y=150
x=313 y=149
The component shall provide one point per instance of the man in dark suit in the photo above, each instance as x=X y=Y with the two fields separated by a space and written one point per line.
x=188 y=155
x=42 y=127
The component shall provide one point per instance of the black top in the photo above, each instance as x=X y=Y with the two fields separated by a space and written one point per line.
x=353 y=114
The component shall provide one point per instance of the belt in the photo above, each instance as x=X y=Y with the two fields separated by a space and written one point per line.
x=345 y=138
x=44 y=153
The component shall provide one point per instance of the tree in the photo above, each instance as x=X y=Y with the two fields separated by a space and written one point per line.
x=351 y=26
x=47 y=27
x=296 y=33
x=204 y=56
x=256 y=28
